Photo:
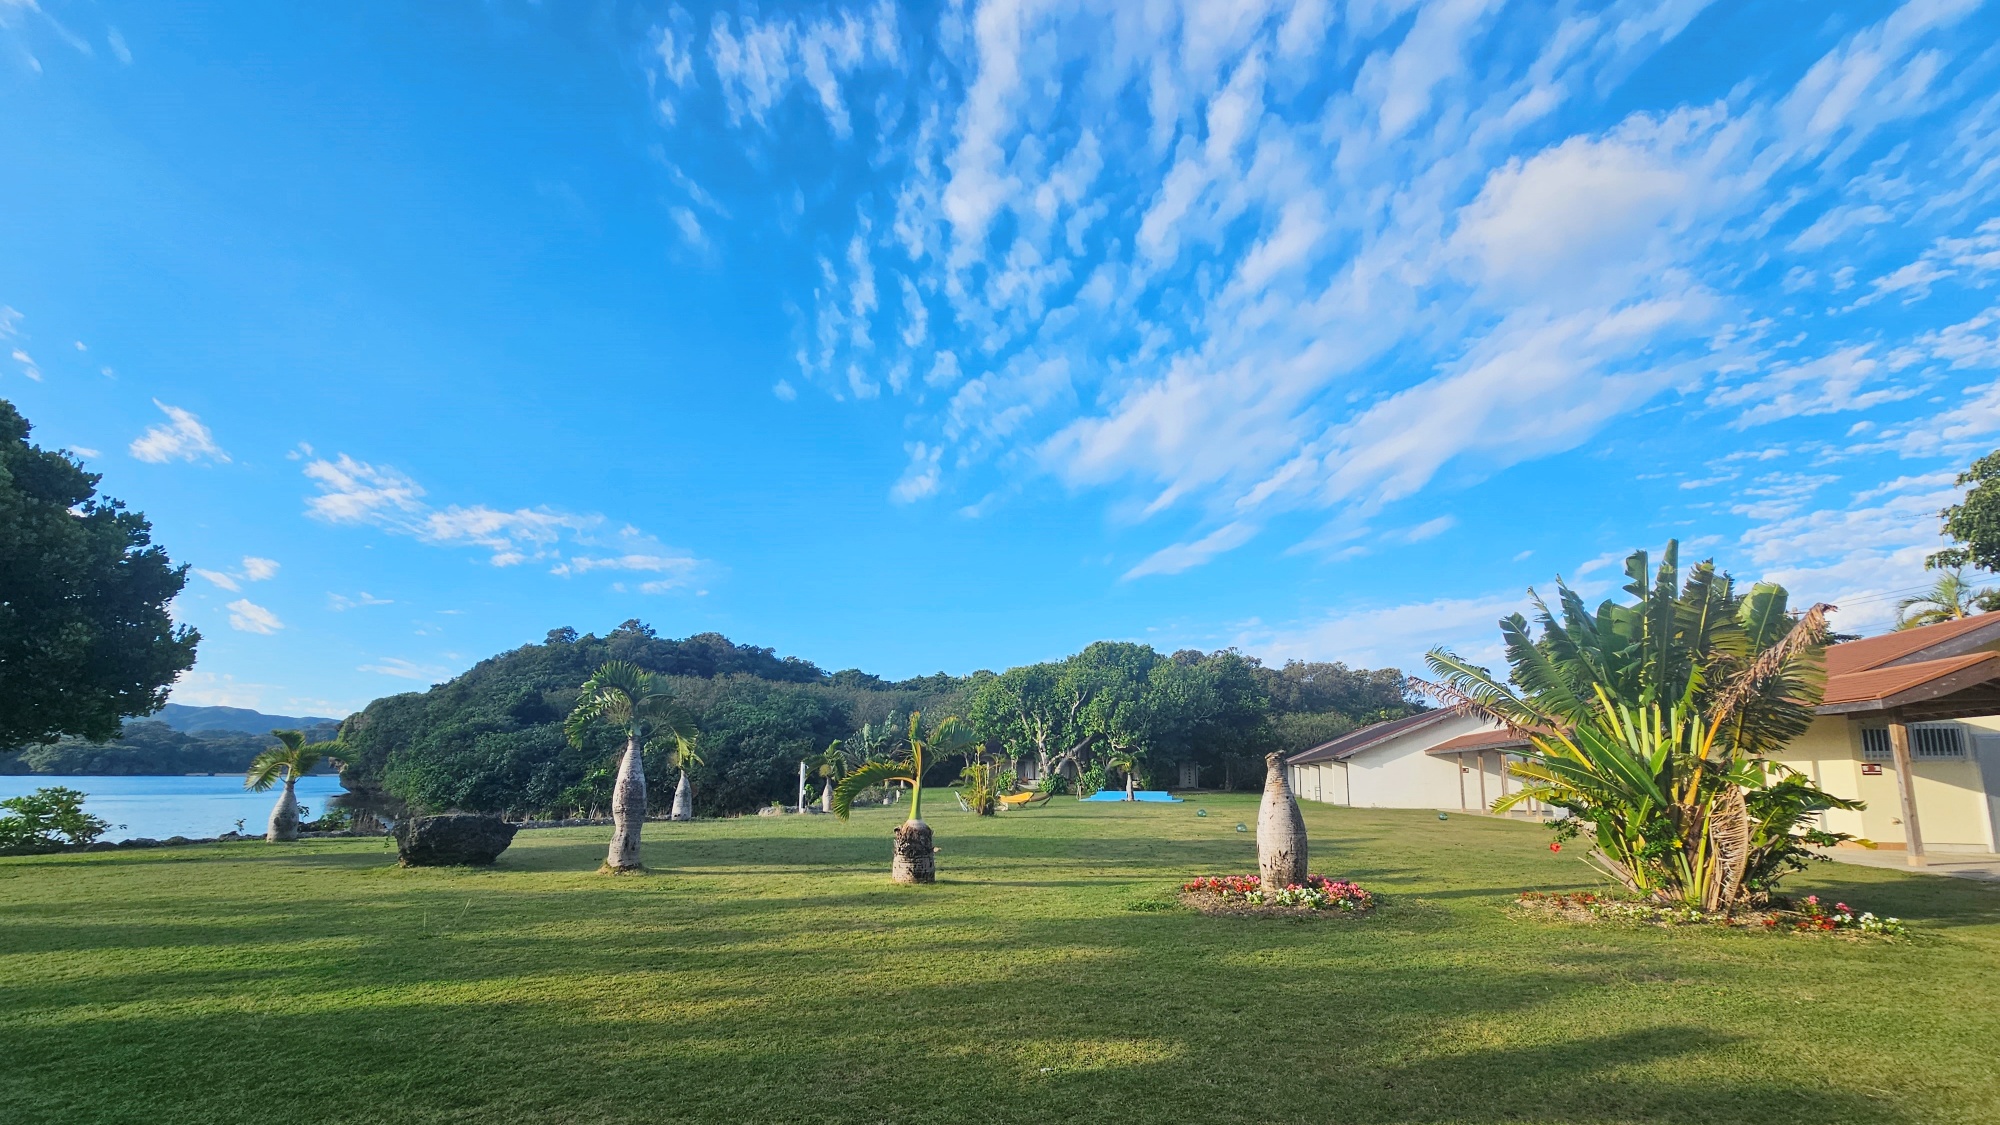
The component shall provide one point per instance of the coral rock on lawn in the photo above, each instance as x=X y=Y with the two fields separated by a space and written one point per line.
x=452 y=840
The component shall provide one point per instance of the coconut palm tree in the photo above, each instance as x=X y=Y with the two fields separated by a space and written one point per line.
x=639 y=703
x=915 y=859
x=1281 y=831
x=1126 y=761
x=1950 y=598
x=288 y=761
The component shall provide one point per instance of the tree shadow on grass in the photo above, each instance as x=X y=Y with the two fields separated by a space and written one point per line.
x=1170 y=1025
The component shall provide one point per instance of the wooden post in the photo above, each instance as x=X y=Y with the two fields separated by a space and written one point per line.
x=1461 y=781
x=1906 y=787
x=1503 y=773
x=1483 y=806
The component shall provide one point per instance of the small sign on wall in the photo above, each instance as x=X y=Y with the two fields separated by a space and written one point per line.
x=1871 y=769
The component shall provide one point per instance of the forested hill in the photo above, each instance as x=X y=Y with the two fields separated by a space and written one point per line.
x=149 y=746
x=492 y=738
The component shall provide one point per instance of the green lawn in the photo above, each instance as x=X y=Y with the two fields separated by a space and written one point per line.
x=767 y=971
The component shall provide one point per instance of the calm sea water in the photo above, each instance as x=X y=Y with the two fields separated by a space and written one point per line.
x=160 y=807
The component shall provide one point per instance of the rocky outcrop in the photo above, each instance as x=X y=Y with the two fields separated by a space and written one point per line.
x=452 y=840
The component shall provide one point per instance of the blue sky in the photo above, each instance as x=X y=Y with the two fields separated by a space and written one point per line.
x=946 y=337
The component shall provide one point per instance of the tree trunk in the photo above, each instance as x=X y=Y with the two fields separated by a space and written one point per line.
x=284 y=815
x=683 y=799
x=1128 y=786
x=826 y=797
x=915 y=859
x=1281 y=831
x=628 y=810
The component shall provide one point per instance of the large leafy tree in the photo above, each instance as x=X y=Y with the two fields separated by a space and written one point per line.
x=85 y=636
x=1651 y=723
x=1974 y=522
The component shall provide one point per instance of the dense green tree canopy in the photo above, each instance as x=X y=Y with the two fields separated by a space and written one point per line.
x=85 y=636
x=492 y=739
x=1974 y=523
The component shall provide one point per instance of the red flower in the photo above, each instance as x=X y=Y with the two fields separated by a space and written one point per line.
x=1555 y=847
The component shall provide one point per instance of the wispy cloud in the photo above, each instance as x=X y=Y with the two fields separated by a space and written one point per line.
x=340 y=603
x=181 y=438
x=1250 y=260
x=353 y=492
x=249 y=617
x=406 y=670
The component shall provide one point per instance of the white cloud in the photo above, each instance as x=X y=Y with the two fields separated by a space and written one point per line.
x=1848 y=378
x=183 y=438
x=1860 y=557
x=406 y=670
x=355 y=492
x=219 y=578
x=1391 y=636
x=258 y=570
x=249 y=617
x=340 y=603
x=1185 y=556
x=920 y=477
x=1245 y=259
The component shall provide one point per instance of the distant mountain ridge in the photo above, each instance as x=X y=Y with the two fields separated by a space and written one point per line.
x=195 y=720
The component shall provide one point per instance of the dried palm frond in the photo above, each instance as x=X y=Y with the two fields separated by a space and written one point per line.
x=1729 y=843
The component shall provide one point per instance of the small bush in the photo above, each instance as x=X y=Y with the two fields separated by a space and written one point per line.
x=47 y=820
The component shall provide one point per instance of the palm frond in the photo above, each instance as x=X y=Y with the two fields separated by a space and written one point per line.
x=867 y=777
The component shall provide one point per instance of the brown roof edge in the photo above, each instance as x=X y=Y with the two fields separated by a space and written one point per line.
x=1910 y=646
x=1355 y=741
x=1481 y=740
x=1880 y=689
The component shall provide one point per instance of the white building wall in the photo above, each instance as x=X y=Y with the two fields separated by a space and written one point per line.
x=1399 y=774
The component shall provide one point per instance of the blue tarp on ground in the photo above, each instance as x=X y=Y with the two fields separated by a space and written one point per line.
x=1142 y=795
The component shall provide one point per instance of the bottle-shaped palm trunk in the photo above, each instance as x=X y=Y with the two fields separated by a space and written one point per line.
x=915 y=859
x=826 y=797
x=1128 y=786
x=1281 y=831
x=284 y=815
x=683 y=799
x=628 y=810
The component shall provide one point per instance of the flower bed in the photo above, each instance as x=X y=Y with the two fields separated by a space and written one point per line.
x=1810 y=916
x=1246 y=894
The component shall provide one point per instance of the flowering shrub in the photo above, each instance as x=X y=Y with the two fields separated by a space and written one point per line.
x=1317 y=893
x=1811 y=917
x=1815 y=918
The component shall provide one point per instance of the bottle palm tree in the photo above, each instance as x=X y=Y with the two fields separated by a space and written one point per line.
x=1281 y=831
x=831 y=767
x=685 y=753
x=288 y=761
x=915 y=859
x=1950 y=598
x=639 y=703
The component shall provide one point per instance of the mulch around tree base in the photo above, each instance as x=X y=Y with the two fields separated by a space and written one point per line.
x=1208 y=902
